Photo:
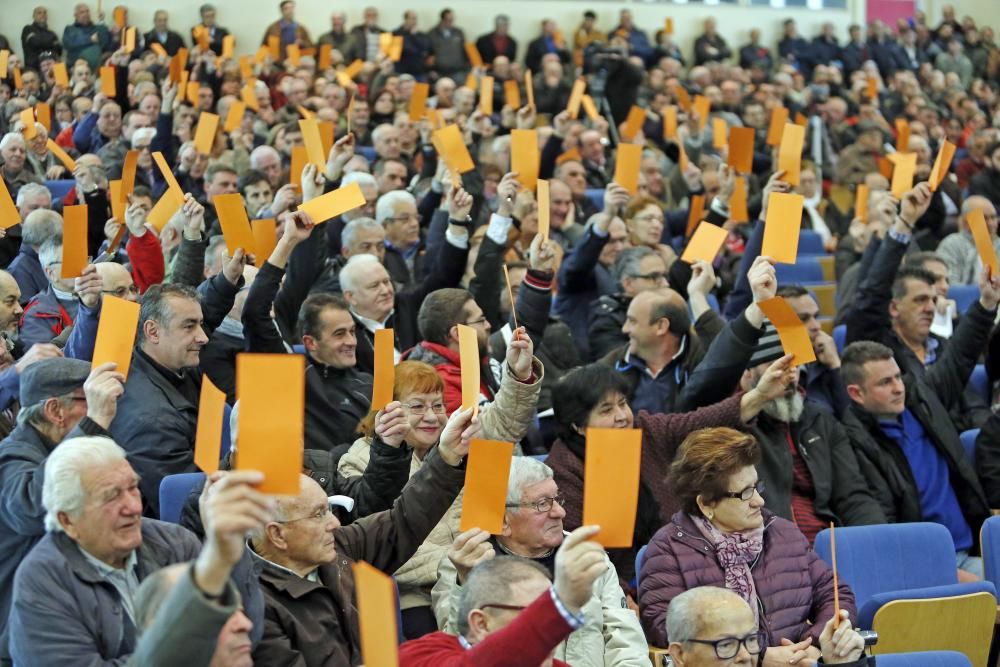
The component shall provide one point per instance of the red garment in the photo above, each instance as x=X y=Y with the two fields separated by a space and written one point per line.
x=532 y=636
x=803 y=494
x=967 y=168
x=146 y=257
x=449 y=367
x=65 y=138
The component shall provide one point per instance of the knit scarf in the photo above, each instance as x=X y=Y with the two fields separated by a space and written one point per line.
x=735 y=552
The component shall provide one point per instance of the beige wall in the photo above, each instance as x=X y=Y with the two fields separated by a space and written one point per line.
x=984 y=11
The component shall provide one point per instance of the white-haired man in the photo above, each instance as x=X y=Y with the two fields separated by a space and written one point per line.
x=405 y=254
x=14 y=170
x=38 y=227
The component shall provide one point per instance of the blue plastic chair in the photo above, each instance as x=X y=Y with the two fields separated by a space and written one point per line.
x=810 y=243
x=840 y=337
x=596 y=197
x=367 y=151
x=227 y=439
x=924 y=659
x=60 y=188
x=969 y=443
x=540 y=457
x=980 y=383
x=638 y=561
x=963 y=295
x=174 y=490
x=989 y=538
x=806 y=270
x=299 y=349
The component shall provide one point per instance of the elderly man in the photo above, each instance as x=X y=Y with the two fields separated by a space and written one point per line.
x=305 y=554
x=385 y=139
x=161 y=34
x=267 y=160
x=14 y=170
x=60 y=398
x=31 y=197
x=405 y=253
x=102 y=125
x=48 y=313
x=958 y=250
x=38 y=227
x=84 y=39
x=533 y=530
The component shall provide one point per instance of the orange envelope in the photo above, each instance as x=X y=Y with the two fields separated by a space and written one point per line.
x=170 y=201
x=544 y=209
x=790 y=153
x=576 y=98
x=204 y=136
x=74 y=251
x=292 y=55
x=265 y=237
x=738 y=202
x=529 y=88
x=703 y=107
x=486 y=95
x=325 y=61
x=469 y=358
x=272 y=446
x=334 y=203
x=168 y=175
x=525 y=159
x=418 y=101
x=984 y=242
x=782 y=226
x=512 y=94
x=108 y=81
x=27 y=116
x=385 y=369
x=611 y=484
x=791 y=330
x=116 y=336
x=117 y=205
x=705 y=243
x=627 y=167
x=396 y=49
x=902 y=135
x=902 y=174
x=9 y=215
x=63 y=156
x=633 y=123
x=60 y=74
x=741 y=141
x=696 y=212
x=248 y=95
x=43 y=112
x=313 y=142
x=377 y=619
x=861 y=202
x=590 y=108
x=234 y=118
x=942 y=163
x=208 y=435
x=670 y=123
x=683 y=98
x=487 y=470
x=779 y=116
x=719 y=138
x=234 y=222
x=128 y=176
x=452 y=149
x=475 y=59
x=299 y=159
x=228 y=46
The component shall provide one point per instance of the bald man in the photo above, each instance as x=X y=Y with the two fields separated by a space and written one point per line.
x=958 y=250
x=117 y=281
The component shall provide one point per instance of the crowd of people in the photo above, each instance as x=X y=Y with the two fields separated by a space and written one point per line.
x=746 y=456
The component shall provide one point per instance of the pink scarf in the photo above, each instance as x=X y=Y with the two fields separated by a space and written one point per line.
x=736 y=551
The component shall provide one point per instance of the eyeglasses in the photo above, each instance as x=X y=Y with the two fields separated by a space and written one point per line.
x=408 y=217
x=421 y=408
x=648 y=218
x=472 y=323
x=727 y=647
x=655 y=276
x=318 y=515
x=507 y=607
x=121 y=291
x=542 y=505
x=747 y=493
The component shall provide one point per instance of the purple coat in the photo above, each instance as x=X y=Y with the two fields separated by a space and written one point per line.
x=794 y=587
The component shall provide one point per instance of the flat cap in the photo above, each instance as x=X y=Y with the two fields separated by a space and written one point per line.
x=52 y=377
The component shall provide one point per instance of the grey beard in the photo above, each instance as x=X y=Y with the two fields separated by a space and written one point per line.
x=785 y=409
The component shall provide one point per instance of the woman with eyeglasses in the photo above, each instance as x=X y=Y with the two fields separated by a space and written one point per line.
x=646 y=225
x=723 y=536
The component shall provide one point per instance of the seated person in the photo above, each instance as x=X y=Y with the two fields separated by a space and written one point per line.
x=723 y=529
x=533 y=530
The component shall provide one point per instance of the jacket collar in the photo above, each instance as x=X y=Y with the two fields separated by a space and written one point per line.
x=140 y=361
x=284 y=580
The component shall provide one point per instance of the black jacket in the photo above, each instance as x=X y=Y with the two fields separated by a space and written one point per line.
x=172 y=44
x=35 y=40
x=488 y=50
x=218 y=360
x=987 y=184
x=604 y=330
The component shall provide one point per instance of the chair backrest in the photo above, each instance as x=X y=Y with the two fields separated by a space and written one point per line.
x=174 y=490
x=979 y=382
x=989 y=538
x=840 y=337
x=925 y=659
x=968 y=439
x=540 y=457
x=227 y=439
x=806 y=270
x=963 y=295
x=638 y=561
x=962 y=623
x=891 y=557
x=810 y=242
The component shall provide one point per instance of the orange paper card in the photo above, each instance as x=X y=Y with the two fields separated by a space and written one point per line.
x=984 y=241
x=299 y=159
x=468 y=352
x=719 y=130
x=741 y=140
x=902 y=135
x=377 y=619
x=169 y=202
x=234 y=222
x=486 y=473
x=524 y=157
x=272 y=446
x=738 y=202
x=450 y=145
x=63 y=156
x=790 y=154
x=18 y=81
x=670 y=122
x=902 y=173
x=4 y=60
x=589 y=107
x=942 y=163
x=418 y=101
x=192 y=88
x=800 y=119
x=544 y=209
x=168 y=175
x=43 y=112
x=611 y=484
x=696 y=211
x=871 y=88
x=833 y=566
x=292 y=55
x=705 y=243
x=74 y=250
x=512 y=94
x=384 y=42
x=116 y=335
x=313 y=142
x=325 y=60
x=119 y=16
x=861 y=202
x=108 y=81
x=128 y=175
x=668 y=26
x=9 y=215
x=117 y=205
x=129 y=44
x=248 y=95
x=472 y=52
x=326 y=132
x=470 y=81
x=228 y=46
x=576 y=98
x=262 y=53
x=571 y=154
x=385 y=369
x=265 y=237
x=529 y=88
x=274 y=46
x=633 y=123
x=791 y=330
x=334 y=203
x=208 y=435
x=683 y=98
x=627 y=167
x=27 y=116
x=779 y=116
x=204 y=136
x=486 y=95
x=396 y=48
x=782 y=226
x=60 y=75
x=702 y=106
x=354 y=68
x=234 y=117
x=158 y=49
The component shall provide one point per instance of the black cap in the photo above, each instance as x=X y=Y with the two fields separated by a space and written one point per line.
x=49 y=378
x=768 y=346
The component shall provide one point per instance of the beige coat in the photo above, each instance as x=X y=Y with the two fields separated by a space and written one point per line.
x=507 y=419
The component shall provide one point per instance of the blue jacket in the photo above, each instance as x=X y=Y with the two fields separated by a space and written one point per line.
x=44 y=318
x=28 y=273
x=582 y=280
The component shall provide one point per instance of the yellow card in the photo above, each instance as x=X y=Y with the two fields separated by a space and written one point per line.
x=27 y=116
x=475 y=59
x=74 y=250
x=902 y=174
x=705 y=243
x=984 y=240
x=670 y=122
x=169 y=202
x=525 y=158
x=59 y=74
x=544 y=209
x=576 y=98
x=469 y=357
x=779 y=116
x=719 y=138
x=234 y=222
x=512 y=94
x=487 y=470
x=228 y=46
x=418 y=101
x=234 y=118
x=791 y=330
x=486 y=95
x=313 y=142
x=611 y=484
x=942 y=163
x=627 y=167
x=116 y=332
x=108 y=81
x=738 y=202
x=334 y=203
x=452 y=149
x=633 y=123
x=385 y=369
x=204 y=137
x=703 y=107
x=790 y=153
x=782 y=227
x=265 y=237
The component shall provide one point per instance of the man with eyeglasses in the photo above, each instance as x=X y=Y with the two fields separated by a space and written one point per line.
x=610 y=633
x=958 y=250
x=405 y=251
x=718 y=628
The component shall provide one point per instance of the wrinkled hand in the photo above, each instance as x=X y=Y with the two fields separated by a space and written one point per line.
x=777 y=378
x=989 y=289
x=469 y=550
x=702 y=279
x=541 y=254
x=826 y=350
x=89 y=286
x=520 y=353
x=457 y=435
x=507 y=190
x=312 y=182
x=391 y=425
x=579 y=562
x=37 y=352
x=526 y=118
x=459 y=204
x=193 y=215
x=839 y=642
x=283 y=199
x=915 y=203
x=232 y=268
x=103 y=387
x=340 y=154
x=615 y=198
x=135 y=218
x=774 y=184
x=763 y=279
x=789 y=653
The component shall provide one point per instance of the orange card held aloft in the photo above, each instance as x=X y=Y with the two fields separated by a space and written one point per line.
x=525 y=160
x=168 y=175
x=450 y=145
x=833 y=566
x=738 y=207
x=668 y=26
x=129 y=44
x=486 y=95
x=942 y=163
x=396 y=48
x=116 y=335
x=705 y=243
x=418 y=101
x=169 y=202
x=248 y=95
x=861 y=202
x=204 y=136
x=63 y=156
x=4 y=60
x=472 y=52
x=27 y=116
x=529 y=88
x=670 y=122
x=790 y=153
x=702 y=106
x=313 y=142
x=782 y=226
x=800 y=119
x=274 y=46
x=576 y=98
x=779 y=116
x=265 y=237
x=262 y=53
x=43 y=112
x=8 y=211
x=683 y=98
x=544 y=209
x=158 y=49
x=332 y=204
x=108 y=81
x=633 y=123
x=377 y=618
x=326 y=132
x=627 y=167
x=571 y=154
x=325 y=57
x=272 y=446
x=486 y=473
x=468 y=353
x=74 y=250
x=299 y=160
x=385 y=369
x=902 y=135
x=228 y=46
x=589 y=107
x=512 y=94
x=470 y=81
x=791 y=330
x=18 y=81
x=984 y=241
x=234 y=117
x=871 y=88
x=234 y=222
x=741 y=141
x=902 y=173
x=128 y=175
x=719 y=138
x=611 y=484
x=696 y=212
x=117 y=205
x=192 y=88
x=292 y=55
x=60 y=75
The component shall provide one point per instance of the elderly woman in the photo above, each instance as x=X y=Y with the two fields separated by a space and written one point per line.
x=421 y=391
x=723 y=536
x=594 y=396
x=645 y=222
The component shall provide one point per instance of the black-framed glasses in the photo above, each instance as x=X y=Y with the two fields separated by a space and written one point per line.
x=747 y=493
x=655 y=276
x=727 y=647
x=318 y=515
x=542 y=505
x=506 y=607
x=481 y=320
x=422 y=408
x=121 y=291
x=406 y=217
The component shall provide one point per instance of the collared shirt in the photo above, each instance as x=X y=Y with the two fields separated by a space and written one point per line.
x=374 y=325
x=575 y=621
x=312 y=576
x=125 y=580
x=655 y=393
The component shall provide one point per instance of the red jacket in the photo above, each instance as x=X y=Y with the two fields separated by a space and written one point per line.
x=146 y=258
x=447 y=364
x=526 y=642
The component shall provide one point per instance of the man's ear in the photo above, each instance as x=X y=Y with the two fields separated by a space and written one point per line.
x=893 y=309
x=276 y=536
x=856 y=393
x=151 y=331
x=478 y=624
x=349 y=298
x=505 y=531
x=453 y=334
x=308 y=342
x=676 y=653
